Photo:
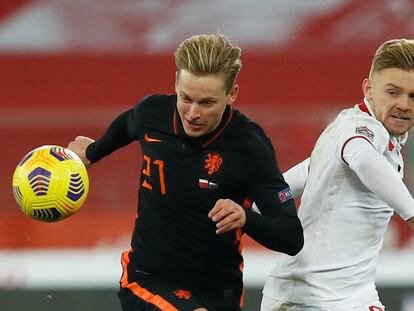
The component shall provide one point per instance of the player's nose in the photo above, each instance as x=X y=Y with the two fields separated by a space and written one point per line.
x=194 y=112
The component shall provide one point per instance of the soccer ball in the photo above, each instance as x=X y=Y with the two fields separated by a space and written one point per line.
x=50 y=183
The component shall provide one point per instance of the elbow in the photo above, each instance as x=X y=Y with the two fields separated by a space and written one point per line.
x=292 y=242
x=296 y=242
x=297 y=246
x=282 y=233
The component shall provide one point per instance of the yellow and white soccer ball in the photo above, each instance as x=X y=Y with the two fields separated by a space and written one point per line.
x=50 y=183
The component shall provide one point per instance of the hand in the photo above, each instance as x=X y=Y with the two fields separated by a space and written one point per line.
x=79 y=146
x=228 y=215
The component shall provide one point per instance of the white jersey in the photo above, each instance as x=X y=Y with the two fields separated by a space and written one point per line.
x=344 y=222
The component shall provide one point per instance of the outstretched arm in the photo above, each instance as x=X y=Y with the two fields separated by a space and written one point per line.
x=378 y=176
x=116 y=136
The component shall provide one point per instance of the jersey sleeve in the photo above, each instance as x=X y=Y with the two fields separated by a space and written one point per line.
x=277 y=227
x=296 y=177
x=266 y=184
x=367 y=129
x=378 y=176
x=121 y=132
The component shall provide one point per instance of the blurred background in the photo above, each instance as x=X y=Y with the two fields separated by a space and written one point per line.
x=68 y=68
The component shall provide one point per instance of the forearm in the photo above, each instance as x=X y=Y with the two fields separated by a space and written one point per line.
x=115 y=137
x=281 y=233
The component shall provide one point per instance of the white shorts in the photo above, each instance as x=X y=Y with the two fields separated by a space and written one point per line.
x=269 y=304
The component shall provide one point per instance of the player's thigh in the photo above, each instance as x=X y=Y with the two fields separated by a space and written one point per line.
x=147 y=294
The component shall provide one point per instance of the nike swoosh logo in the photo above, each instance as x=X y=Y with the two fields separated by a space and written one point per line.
x=151 y=140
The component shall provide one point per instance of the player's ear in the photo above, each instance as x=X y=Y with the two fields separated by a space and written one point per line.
x=367 y=88
x=233 y=94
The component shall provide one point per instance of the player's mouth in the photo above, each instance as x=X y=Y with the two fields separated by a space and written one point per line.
x=193 y=126
x=400 y=119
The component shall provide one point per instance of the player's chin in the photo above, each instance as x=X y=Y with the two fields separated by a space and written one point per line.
x=193 y=132
x=398 y=131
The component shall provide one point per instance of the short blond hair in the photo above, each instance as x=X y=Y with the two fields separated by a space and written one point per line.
x=396 y=53
x=210 y=54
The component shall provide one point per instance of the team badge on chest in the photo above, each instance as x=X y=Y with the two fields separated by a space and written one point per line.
x=213 y=163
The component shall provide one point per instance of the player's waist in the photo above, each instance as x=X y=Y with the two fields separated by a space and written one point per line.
x=220 y=289
x=173 y=262
x=330 y=293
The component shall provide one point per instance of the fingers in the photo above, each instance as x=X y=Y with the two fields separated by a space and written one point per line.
x=228 y=215
x=81 y=141
x=79 y=146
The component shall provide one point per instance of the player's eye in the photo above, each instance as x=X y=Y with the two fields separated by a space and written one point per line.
x=186 y=99
x=393 y=93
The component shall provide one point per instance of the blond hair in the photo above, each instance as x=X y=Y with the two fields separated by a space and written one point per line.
x=396 y=53
x=209 y=54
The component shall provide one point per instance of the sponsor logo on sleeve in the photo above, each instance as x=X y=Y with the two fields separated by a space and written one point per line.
x=285 y=195
x=365 y=131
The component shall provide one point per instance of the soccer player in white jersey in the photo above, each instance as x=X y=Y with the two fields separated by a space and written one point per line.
x=351 y=185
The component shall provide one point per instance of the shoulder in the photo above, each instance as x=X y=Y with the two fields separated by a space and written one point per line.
x=250 y=136
x=153 y=103
x=353 y=122
x=242 y=125
x=155 y=111
x=155 y=106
